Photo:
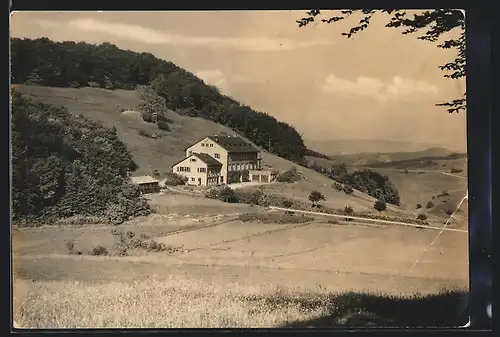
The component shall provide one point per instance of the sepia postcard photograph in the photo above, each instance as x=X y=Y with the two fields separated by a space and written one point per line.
x=239 y=169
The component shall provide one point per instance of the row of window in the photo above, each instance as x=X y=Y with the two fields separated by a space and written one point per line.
x=207 y=145
x=183 y=169
x=241 y=167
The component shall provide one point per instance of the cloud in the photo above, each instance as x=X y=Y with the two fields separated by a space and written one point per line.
x=214 y=77
x=152 y=36
x=375 y=88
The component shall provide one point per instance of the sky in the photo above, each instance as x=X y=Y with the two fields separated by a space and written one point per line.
x=379 y=84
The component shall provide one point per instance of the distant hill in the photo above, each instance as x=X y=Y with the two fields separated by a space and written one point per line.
x=363 y=159
x=74 y=65
x=353 y=146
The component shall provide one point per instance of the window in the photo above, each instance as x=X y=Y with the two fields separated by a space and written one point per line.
x=211 y=145
x=203 y=144
x=202 y=170
x=184 y=169
x=192 y=160
x=217 y=155
x=192 y=179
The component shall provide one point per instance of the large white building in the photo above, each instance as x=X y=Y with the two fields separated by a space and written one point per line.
x=221 y=159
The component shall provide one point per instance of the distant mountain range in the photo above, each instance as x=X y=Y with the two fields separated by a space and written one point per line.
x=356 y=146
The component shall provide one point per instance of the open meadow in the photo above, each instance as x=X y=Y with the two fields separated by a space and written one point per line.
x=217 y=268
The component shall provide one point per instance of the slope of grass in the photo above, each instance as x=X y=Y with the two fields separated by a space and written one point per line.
x=181 y=303
x=160 y=154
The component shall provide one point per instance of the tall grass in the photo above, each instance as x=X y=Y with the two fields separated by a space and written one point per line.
x=181 y=303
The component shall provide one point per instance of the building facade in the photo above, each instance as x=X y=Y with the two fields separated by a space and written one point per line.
x=236 y=156
x=200 y=169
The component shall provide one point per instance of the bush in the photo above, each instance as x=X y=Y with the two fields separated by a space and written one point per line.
x=443 y=194
x=449 y=211
x=419 y=206
x=348 y=189
x=315 y=197
x=289 y=176
x=455 y=170
x=144 y=133
x=155 y=172
x=174 y=179
x=429 y=205
x=99 y=250
x=226 y=194
x=348 y=210
x=380 y=206
x=422 y=216
x=163 y=126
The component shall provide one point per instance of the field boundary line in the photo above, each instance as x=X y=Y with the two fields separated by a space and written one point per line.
x=369 y=219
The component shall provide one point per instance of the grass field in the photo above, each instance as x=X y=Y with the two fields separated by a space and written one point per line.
x=229 y=273
x=195 y=263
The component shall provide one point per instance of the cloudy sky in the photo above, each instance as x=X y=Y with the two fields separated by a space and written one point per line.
x=378 y=85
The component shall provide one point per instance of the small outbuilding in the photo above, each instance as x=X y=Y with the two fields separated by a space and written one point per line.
x=262 y=176
x=147 y=184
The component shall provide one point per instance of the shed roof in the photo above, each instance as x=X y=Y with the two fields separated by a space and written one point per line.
x=143 y=180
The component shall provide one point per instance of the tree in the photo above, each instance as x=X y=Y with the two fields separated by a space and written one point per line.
x=315 y=197
x=380 y=206
x=422 y=216
x=348 y=210
x=419 y=206
x=429 y=205
x=435 y=23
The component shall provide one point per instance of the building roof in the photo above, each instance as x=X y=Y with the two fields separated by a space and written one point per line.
x=233 y=143
x=207 y=159
x=143 y=180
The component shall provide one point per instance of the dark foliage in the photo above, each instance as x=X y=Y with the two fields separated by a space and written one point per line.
x=436 y=23
x=289 y=176
x=429 y=205
x=69 y=64
x=455 y=170
x=225 y=194
x=366 y=181
x=348 y=210
x=315 y=197
x=64 y=166
x=163 y=125
x=174 y=179
x=419 y=206
x=422 y=216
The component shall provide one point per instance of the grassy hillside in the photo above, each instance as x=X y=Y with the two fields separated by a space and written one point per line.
x=74 y=65
x=424 y=181
x=160 y=154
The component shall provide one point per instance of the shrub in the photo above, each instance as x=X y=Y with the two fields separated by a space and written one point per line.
x=144 y=133
x=455 y=170
x=449 y=211
x=419 y=206
x=212 y=193
x=71 y=246
x=99 y=250
x=380 y=206
x=315 y=197
x=147 y=116
x=443 y=194
x=422 y=216
x=174 y=179
x=429 y=205
x=348 y=210
x=226 y=194
x=163 y=126
x=289 y=176
x=155 y=172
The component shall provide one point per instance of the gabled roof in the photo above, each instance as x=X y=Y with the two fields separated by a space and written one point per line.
x=233 y=143
x=143 y=180
x=207 y=159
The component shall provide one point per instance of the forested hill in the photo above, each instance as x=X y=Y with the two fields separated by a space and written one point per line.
x=70 y=64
